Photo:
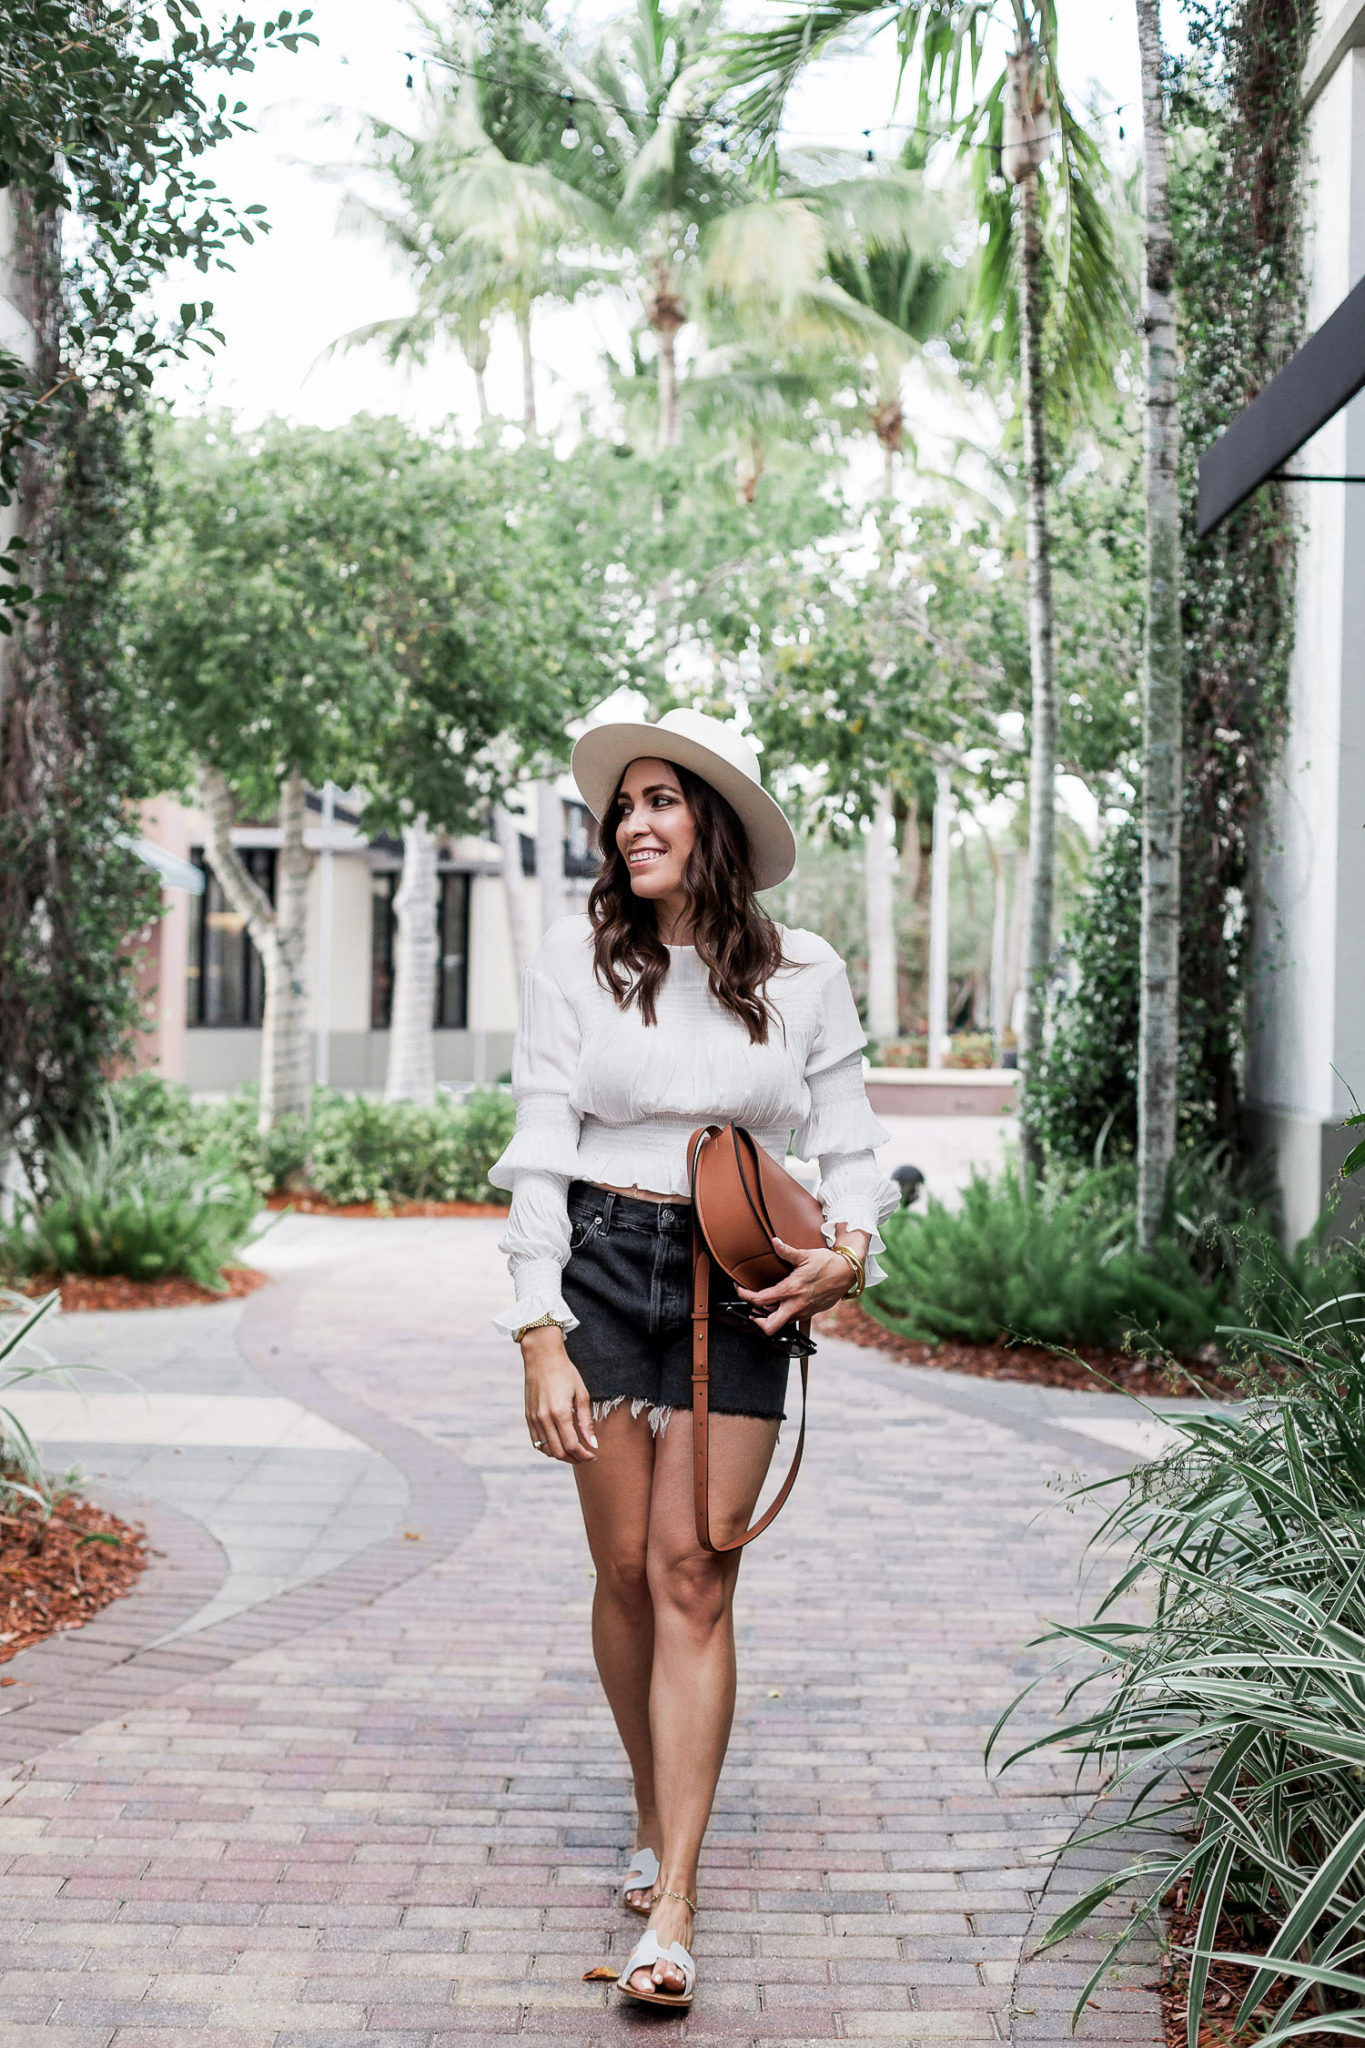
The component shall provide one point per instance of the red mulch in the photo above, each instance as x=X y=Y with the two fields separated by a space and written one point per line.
x=84 y=1291
x=51 y=1579
x=306 y=1203
x=1227 y=1984
x=1029 y=1362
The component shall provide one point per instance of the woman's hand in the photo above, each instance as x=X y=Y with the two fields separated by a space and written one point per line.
x=558 y=1405
x=817 y=1280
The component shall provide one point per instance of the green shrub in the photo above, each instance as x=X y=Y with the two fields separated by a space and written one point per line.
x=360 y=1150
x=222 y=1132
x=1231 y=1715
x=1051 y=1266
x=126 y=1202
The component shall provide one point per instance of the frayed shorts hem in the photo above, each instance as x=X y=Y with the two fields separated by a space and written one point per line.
x=660 y=1414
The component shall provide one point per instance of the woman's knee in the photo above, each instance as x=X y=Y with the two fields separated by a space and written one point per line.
x=623 y=1577
x=692 y=1584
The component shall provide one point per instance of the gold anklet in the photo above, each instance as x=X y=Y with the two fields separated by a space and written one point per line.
x=662 y=1892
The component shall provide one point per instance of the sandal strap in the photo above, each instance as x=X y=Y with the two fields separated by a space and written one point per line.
x=642 y=1873
x=649 y=1950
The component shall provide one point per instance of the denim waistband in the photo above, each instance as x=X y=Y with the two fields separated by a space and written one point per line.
x=627 y=1212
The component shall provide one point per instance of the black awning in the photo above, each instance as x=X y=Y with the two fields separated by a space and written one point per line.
x=1313 y=385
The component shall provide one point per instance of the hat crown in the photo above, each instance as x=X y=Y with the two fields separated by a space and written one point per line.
x=721 y=739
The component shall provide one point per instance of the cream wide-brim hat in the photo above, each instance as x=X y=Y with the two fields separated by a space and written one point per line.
x=715 y=752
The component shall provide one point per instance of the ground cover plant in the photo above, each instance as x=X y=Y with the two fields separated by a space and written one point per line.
x=62 y=1558
x=1230 y=1718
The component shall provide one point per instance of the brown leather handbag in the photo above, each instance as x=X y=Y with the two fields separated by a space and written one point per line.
x=741 y=1200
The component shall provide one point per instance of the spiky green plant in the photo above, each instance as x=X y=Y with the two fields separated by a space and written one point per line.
x=123 y=1201
x=1233 y=1717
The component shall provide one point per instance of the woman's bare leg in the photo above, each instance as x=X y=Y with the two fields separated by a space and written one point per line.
x=692 y=1699
x=614 y=1493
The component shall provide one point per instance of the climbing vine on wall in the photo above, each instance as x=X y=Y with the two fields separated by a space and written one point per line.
x=1238 y=101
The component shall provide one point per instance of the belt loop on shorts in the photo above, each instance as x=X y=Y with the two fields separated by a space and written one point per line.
x=608 y=1209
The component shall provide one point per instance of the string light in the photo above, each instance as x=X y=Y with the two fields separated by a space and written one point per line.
x=572 y=135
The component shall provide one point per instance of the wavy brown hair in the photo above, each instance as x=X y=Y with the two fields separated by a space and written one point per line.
x=736 y=941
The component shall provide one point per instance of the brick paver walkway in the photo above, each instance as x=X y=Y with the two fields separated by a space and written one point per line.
x=402 y=1819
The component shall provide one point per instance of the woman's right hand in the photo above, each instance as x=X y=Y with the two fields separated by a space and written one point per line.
x=558 y=1405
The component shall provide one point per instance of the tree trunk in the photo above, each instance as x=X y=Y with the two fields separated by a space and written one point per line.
x=478 y=363
x=1159 y=1022
x=528 y=377
x=279 y=933
x=508 y=836
x=1042 y=838
x=939 y=878
x=999 y=993
x=549 y=853
x=412 y=1053
x=883 y=1022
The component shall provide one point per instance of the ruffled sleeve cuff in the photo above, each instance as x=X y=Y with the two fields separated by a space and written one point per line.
x=539 y=1284
x=854 y=1191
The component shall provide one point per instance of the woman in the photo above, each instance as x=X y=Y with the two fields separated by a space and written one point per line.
x=675 y=1002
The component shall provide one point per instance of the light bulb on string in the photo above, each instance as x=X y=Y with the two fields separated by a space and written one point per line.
x=569 y=136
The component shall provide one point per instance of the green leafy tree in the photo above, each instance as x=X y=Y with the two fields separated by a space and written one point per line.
x=361 y=606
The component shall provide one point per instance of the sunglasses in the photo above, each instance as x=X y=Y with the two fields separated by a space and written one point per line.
x=788 y=1339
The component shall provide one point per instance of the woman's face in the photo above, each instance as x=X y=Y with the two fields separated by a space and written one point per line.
x=655 y=829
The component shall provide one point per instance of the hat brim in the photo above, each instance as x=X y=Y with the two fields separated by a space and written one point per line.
x=603 y=754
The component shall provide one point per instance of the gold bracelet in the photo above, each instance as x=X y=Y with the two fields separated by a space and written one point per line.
x=859 y=1270
x=540 y=1323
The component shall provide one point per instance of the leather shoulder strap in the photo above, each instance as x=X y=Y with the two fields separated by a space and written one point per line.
x=701 y=1411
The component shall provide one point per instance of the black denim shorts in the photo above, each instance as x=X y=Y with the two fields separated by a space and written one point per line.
x=629 y=1282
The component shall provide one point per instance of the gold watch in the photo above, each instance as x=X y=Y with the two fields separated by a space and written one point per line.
x=540 y=1323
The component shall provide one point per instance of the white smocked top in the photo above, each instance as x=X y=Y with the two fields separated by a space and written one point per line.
x=601 y=1096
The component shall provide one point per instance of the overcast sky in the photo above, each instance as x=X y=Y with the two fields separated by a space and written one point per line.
x=309 y=282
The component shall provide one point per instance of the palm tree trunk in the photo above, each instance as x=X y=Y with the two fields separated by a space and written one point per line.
x=939 y=878
x=528 y=376
x=279 y=933
x=668 y=388
x=480 y=388
x=508 y=836
x=412 y=1055
x=1042 y=837
x=1159 y=1023
x=883 y=1022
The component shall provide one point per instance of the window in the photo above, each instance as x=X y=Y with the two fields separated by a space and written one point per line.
x=382 y=888
x=452 y=972
x=225 y=982
x=452 y=961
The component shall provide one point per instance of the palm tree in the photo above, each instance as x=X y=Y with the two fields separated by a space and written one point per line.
x=481 y=231
x=1050 y=287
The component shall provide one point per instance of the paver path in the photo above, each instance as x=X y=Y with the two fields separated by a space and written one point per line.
x=404 y=1820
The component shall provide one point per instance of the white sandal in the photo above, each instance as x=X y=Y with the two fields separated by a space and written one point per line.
x=641 y=1876
x=649 y=1950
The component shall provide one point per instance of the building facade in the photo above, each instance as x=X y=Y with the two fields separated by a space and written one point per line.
x=203 y=987
x=1306 y=1049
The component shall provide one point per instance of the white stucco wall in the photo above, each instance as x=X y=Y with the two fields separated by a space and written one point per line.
x=1306 y=1048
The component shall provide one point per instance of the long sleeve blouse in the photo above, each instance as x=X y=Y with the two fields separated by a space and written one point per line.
x=601 y=1096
